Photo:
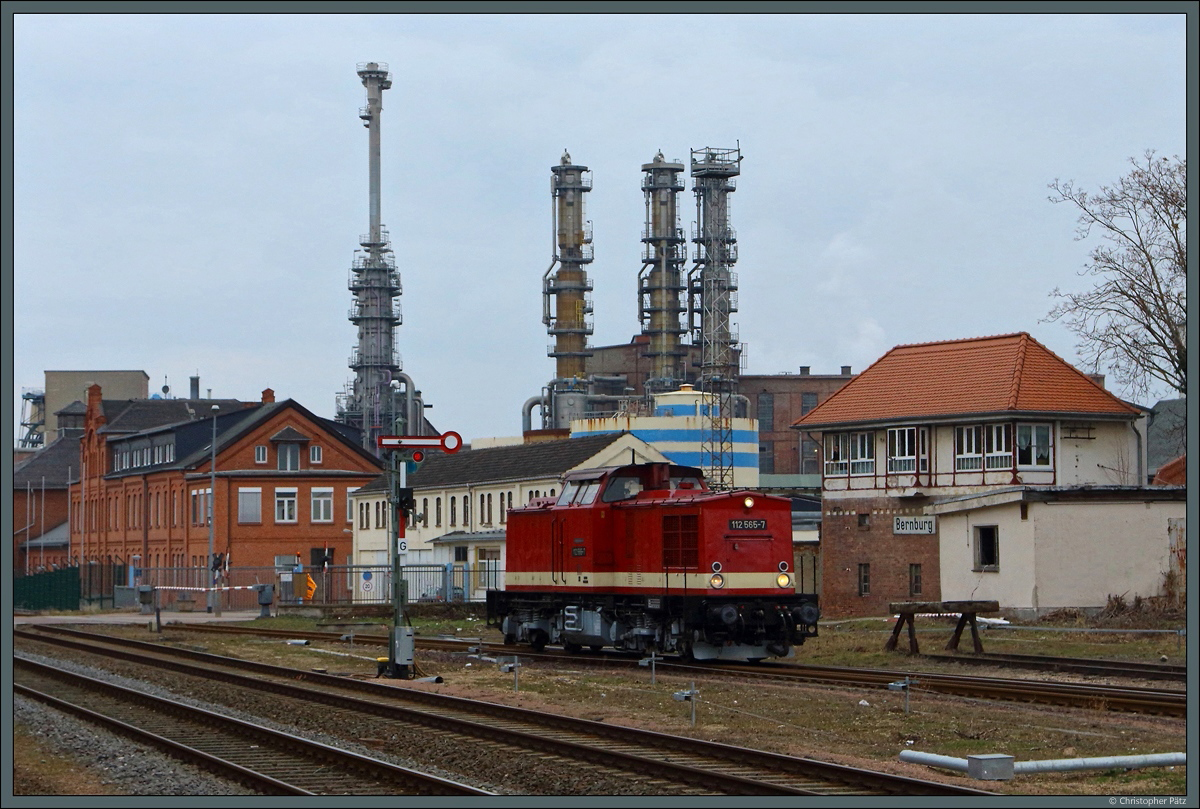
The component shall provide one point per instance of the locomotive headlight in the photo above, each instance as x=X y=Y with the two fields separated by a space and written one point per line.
x=748 y=502
x=783 y=580
x=716 y=580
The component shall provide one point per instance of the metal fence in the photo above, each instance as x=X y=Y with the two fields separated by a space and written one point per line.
x=114 y=584
x=237 y=588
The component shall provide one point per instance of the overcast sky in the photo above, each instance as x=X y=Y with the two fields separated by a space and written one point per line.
x=189 y=190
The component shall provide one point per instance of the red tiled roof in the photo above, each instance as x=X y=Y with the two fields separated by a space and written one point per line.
x=1006 y=373
x=1173 y=473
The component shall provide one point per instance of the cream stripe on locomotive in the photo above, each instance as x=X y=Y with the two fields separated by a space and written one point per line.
x=633 y=580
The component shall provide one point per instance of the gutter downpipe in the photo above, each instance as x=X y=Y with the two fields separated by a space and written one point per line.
x=1141 y=478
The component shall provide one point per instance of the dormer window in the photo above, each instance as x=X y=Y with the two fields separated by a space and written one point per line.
x=289 y=457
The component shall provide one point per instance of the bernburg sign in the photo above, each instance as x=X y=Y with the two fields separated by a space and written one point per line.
x=914 y=525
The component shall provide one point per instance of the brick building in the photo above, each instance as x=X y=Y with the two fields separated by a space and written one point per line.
x=282 y=482
x=941 y=459
x=39 y=503
x=777 y=401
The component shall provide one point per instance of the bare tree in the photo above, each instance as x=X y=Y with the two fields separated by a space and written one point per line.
x=1134 y=320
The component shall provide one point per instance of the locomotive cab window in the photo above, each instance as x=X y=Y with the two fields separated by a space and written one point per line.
x=587 y=492
x=687 y=482
x=624 y=487
x=568 y=493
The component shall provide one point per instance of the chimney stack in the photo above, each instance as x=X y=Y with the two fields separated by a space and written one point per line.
x=268 y=396
x=805 y=370
x=845 y=370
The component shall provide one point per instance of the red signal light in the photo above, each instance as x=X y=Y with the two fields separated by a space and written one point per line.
x=418 y=455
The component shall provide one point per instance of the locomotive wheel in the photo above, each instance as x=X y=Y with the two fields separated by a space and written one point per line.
x=573 y=648
x=510 y=639
x=596 y=647
x=538 y=640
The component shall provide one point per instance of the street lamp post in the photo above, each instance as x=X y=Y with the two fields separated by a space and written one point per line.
x=212 y=495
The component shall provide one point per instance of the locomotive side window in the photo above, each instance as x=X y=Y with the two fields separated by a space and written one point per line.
x=621 y=488
x=681 y=541
x=568 y=493
x=686 y=483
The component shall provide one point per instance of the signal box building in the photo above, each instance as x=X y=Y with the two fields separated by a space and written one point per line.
x=282 y=482
x=990 y=469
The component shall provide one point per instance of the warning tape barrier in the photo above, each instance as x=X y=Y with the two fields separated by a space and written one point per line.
x=206 y=589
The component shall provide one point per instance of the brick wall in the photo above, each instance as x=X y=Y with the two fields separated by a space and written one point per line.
x=859 y=531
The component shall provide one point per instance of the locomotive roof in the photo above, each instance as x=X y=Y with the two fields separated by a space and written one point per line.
x=594 y=472
x=544 y=459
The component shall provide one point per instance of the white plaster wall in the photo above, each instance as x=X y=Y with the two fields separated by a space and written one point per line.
x=1065 y=555
x=1088 y=551
x=1111 y=458
x=1013 y=585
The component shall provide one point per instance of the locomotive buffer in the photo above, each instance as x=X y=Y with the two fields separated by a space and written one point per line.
x=403 y=450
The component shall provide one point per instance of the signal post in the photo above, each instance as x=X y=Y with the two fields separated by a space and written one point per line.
x=404 y=450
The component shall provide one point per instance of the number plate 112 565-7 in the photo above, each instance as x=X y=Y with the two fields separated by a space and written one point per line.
x=747 y=525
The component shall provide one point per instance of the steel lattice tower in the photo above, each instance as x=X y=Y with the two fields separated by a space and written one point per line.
x=370 y=403
x=713 y=296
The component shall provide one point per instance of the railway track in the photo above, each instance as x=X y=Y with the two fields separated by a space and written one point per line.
x=675 y=765
x=1162 y=702
x=268 y=761
x=1099 y=668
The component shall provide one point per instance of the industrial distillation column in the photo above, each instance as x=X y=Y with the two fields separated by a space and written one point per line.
x=660 y=282
x=566 y=301
x=713 y=296
x=370 y=403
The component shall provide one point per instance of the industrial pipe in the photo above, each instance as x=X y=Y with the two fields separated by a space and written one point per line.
x=1102 y=763
x=412 y=425
x=1054 y=765
x=527 y=411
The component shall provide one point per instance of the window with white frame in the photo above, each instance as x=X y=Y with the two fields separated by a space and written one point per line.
x=968 y=449
x=315 y=454
x=1033 y=446
x=289 y=457
x=997 y=446
x=260 y=454
x=907 y=450
x=249 y=505
x=862 y=453
x=285 y=505
x=350 y=505
x=837 y=454
x=322 y=505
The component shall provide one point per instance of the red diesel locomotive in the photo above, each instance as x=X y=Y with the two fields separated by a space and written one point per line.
x=646 y=557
